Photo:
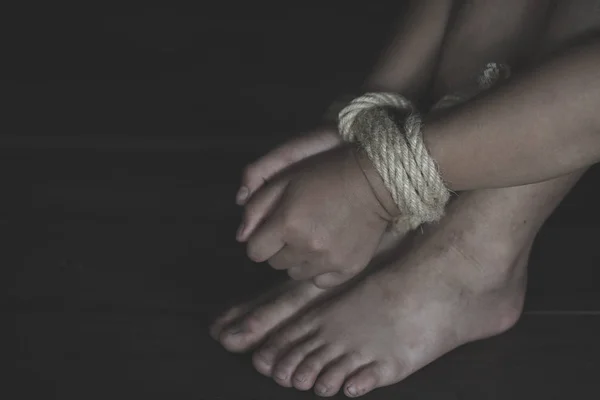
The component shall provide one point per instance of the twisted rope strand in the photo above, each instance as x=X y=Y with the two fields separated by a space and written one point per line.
x=398 y=152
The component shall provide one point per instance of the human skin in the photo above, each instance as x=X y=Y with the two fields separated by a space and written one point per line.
x=479 y=249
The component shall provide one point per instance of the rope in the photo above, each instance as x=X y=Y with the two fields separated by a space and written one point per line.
x=388 y=128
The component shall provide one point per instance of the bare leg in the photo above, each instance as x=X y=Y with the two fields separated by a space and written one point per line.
x=464 y=280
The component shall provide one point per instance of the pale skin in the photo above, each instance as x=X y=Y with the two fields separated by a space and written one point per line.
x=542 y=124
x=314 y=238
x=468 y=269
x=507 y=143
x=316 y=242
x=400 y=70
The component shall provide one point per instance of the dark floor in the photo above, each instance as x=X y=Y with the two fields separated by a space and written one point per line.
x=121 y=153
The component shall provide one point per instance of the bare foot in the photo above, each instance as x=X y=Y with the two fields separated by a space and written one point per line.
x=460 y=283
x=244 y=326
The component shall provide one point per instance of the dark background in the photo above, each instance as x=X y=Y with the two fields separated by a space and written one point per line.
x=123 y=137
x=249 y=70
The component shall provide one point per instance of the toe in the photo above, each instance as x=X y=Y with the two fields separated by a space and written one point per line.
x=285 y=367
x=280 y=343
x=225 y=319
x=236 y=337
x=248 y=326
x=331 y=279
x=307 y=372
x=371 y=377
x=246 y=332
x=243 y=333
x=245 y=326
x=331 y=379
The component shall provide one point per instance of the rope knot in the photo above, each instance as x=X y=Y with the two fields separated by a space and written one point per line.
x=398 y=153
x=396 y=147
x=366 y=102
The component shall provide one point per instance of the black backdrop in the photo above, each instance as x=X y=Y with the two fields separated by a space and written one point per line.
x=123 y=136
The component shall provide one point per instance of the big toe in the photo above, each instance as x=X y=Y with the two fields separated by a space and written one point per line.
x=248 y=330
x=224 y=320
x=370 y=377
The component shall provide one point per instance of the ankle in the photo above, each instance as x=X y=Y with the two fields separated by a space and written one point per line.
x=486 y=259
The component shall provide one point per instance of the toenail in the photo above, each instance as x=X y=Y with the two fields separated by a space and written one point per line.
x=281 y=376
x=235 y=330
x=321 y=389
x=351 y=390
x=264 y=358
x=242 y=194
x=300 y=378
x=240 y=231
